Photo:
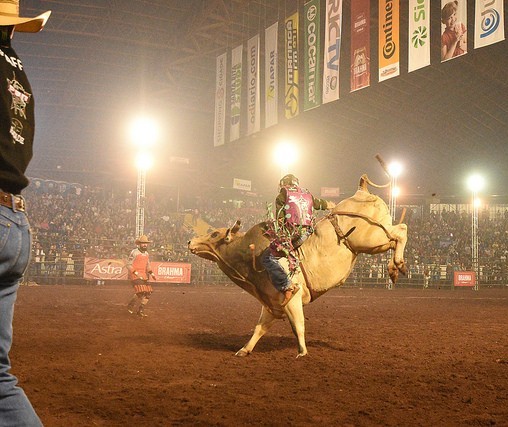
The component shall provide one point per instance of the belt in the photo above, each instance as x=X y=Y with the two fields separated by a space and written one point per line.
x=16 y=203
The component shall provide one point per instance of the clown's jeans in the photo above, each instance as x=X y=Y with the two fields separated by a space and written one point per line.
x=15 y=408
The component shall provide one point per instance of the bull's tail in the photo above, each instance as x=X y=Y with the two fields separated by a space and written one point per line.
x=364 y=181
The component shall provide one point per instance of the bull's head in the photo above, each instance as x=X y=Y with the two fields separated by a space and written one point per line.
x=208 y=246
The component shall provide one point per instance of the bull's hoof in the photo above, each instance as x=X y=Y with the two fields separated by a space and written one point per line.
x=242 y=353
x=402 y=268
x=301 y=354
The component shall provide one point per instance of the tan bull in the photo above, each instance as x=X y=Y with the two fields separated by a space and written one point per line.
x=356 y=225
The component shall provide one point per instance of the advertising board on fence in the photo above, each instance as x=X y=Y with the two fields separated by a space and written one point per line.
x=464 y=278
x=114 y=269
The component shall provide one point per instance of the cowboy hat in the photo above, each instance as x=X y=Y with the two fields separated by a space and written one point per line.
x=142 y=239
x=9 y=15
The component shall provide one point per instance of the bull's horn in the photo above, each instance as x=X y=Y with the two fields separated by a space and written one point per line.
x=232 y=230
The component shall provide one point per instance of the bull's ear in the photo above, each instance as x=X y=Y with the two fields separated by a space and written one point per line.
x=232 y=230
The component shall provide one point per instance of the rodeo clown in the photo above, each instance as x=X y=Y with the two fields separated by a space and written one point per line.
x=293 y=224
x=140 y=272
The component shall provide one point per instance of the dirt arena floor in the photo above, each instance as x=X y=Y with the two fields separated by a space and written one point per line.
x=377 y=357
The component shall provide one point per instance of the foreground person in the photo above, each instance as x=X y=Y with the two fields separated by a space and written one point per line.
x=16 y=149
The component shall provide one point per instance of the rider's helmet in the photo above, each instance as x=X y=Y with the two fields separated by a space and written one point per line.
x=289 y=180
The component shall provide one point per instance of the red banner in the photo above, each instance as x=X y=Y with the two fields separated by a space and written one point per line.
x=464 y=278
x=360 y=44
x=114 y=269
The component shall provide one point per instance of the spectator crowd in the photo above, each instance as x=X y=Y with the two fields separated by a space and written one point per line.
x=67 y=227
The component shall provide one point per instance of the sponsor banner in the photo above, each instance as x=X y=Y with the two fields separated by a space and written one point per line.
x=330 y=192
x=115 y=269
x=253 y=105
x=291 y=106
x=333 y=34
x=389 y=49
x=105 y=269
x=453 y=29
x=489 y=22
x=464 y=278
x=242 y=184
x=360 y=44
x=171 y=272
x=418 y=34
x=312 y=55
x=220 y=101
x=271 y=76
x=236 y=92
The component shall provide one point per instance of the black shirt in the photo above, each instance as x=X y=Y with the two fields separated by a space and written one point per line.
x=16 y=122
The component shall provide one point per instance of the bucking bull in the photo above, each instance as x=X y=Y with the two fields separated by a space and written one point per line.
x=358 y=224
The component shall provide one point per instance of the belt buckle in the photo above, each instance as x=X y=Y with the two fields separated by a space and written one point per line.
x=15 y=200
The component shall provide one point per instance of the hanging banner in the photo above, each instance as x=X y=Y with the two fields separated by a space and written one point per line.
x=291 y=107
x=312 y=55
x=333 y=34
x=418 y=34
x=389 y=48
x=236 y=92
x=489 y=23
x=253 y=103
x=360 y=44
x=220 y=101
x=453 y=29
x=271 y=76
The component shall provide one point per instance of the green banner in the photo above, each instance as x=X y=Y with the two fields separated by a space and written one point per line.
x=312 y=55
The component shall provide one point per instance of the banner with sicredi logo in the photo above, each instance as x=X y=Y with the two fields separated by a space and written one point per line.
x=418 y=34
x=489 y=22
x=389 y=46
x=271 y=75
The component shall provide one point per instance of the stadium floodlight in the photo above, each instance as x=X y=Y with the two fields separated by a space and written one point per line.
x=144 y=132
x=476 y=183
x=394 y=170
x=285 y=155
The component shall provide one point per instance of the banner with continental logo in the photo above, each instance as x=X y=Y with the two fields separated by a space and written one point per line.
x=236 y=92
x=253 y=102
x=489 y=22
x=312 y=55
x=389 y=49
x=418 y=34
x=453 y=29
x=220 y=101
x=271 y=75
x=360 y=44
x=115 y=269
x=333 y=34
x=291 y=106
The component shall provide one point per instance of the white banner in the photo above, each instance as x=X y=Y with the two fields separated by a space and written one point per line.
x=236 y=92
x=271 y=76
x=220 y=101
x=419 y=34
x=333 y=33
x=253 y=107
x=489 y=23
x=242 y=184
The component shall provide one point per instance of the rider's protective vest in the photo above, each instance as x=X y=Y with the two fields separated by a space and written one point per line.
x=299 y=207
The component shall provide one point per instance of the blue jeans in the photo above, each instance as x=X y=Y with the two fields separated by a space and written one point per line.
x=277 y=274
x=15 y=244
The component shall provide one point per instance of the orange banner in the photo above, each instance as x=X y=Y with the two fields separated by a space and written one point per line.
x=114 y=269
x=389 y=47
